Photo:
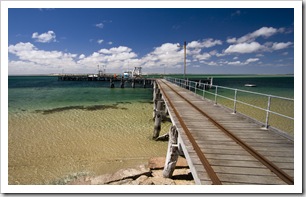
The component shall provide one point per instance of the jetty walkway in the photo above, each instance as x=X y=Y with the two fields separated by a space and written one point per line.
x=220 y=147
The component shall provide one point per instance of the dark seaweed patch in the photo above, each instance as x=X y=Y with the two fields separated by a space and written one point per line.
x=87 y=108
x=58 y=109
x=148 y=102
x=124 y=103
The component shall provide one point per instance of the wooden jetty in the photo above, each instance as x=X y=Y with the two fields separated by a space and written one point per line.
x=220 y=147
x=124 y=82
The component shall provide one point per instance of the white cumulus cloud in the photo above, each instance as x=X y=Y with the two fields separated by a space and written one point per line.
x=251 y=60
x=244 y=48
x=114 y=58
x=99 y=25
x=235 y=63
x=44 y=37
x=239 y=63
x=27 y=52
x=250 y=37
x=203 y=56
x=280 y=45
x=82 y=56
x=206 y=43
x=168 y=54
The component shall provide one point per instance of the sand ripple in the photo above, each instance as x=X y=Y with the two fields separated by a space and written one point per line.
x=44 y=148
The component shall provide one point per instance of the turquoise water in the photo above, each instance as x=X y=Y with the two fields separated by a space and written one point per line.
x=41 y=92
x=278 y=86
x=35 y=92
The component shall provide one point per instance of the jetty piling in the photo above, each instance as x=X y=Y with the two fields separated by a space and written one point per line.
x=122 y=83
x=172 y=153
x=156 y=98
x=158 y=118
x=133 y=83
x=112 y=85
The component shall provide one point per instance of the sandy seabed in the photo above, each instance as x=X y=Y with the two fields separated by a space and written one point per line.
x=45 y=148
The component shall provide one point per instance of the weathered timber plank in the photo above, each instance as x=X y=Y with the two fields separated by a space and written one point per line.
x=216 y=146
x=290 y=172
x=270 y=144
x=273 y=149
x=211 y=140
x=282 y=165
x=232 y=157
x=243 y=170
x=288 y=153
x=251 y=179
x=223 y=162
x=225 y=151
x=233 y=163
x=274 y=141
x=285 y=159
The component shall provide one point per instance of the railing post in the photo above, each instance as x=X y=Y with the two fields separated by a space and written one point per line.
x=235 y=101
x=204 y=91
x=216 y=92
x=268 y=112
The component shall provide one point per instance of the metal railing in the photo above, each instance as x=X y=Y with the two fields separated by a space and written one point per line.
x=229 y=97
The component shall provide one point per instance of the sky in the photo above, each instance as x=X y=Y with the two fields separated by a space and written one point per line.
x=218 y=40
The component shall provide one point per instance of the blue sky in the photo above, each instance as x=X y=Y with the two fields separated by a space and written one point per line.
x=219 y=40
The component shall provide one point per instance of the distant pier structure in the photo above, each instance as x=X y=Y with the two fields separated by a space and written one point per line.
x=128 y=79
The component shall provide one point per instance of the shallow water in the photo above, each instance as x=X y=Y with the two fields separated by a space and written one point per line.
x=46 y=147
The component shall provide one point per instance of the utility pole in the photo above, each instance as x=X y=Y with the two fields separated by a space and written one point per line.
x=178 y=45
x=184 y=59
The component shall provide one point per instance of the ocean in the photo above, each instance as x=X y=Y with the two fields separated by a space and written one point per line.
x=58 y=130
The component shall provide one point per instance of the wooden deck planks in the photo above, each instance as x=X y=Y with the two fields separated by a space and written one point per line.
x=233 y=164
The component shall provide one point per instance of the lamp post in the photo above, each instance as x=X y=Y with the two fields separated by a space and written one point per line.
x=184 y=58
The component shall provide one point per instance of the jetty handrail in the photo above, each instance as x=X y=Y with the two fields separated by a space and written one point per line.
x=195 y=85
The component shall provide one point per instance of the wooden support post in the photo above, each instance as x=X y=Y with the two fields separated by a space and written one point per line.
x=144 y=83
x=154 y=90
x=166 y=111
x=112 y=85
x=158 y=119
x=156 y=97
x=133 y=83
x=122 y=83
x=172 y=154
